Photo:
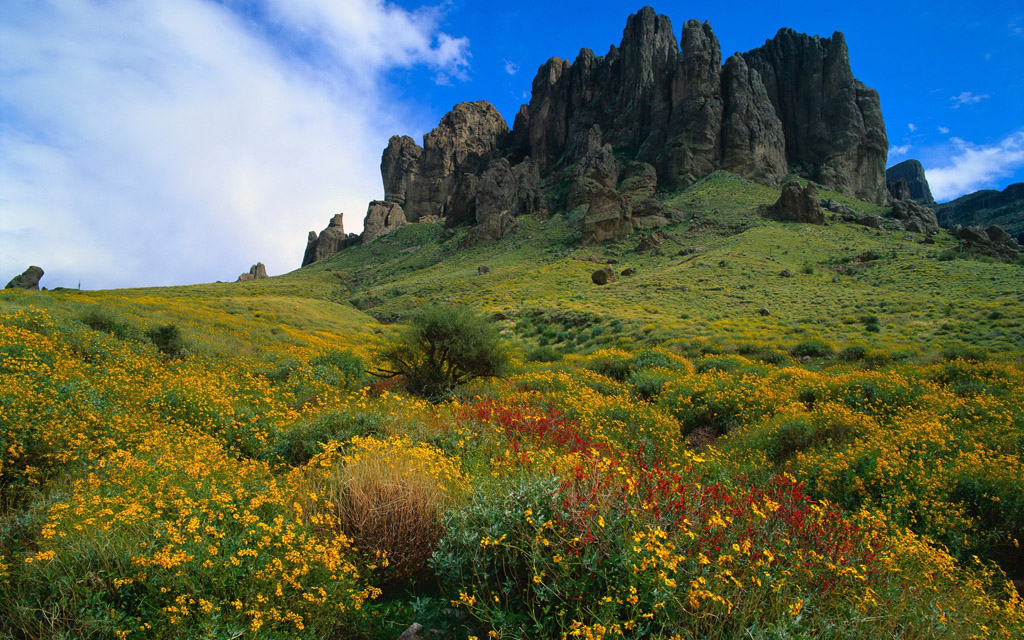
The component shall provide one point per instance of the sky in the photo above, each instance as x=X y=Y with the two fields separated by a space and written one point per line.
x=164 y=142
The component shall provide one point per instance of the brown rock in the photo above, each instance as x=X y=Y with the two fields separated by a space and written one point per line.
x=797 y=204
x=257 y=272
x=329 y=242
x=628 y=271
x=382 y=217
x=28 y=280
x=483 y=270
x=603 y=276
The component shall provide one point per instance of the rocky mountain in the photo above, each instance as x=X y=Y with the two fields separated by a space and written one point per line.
x=911 y=172
x=601 y=134
x=985 y=208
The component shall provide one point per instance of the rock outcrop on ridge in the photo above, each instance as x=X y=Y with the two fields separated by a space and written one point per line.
x=256 y=272
x=29 y=279
x=329 y=242
x=601 y=134
x=912 y=173
x=797 y=204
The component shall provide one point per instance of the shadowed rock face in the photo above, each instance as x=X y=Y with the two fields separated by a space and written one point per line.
x=654 y=112
x=833 y=124
x=797 y=204
x=913 y=173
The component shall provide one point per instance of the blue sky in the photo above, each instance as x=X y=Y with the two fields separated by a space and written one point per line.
x=176 y=141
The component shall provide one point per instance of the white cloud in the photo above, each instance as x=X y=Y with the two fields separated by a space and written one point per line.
x=901 y=150
x=167 y=141
x=967 y=97
x=943 y=130
x=912 y=127
x=511 y=68
x=971 y=167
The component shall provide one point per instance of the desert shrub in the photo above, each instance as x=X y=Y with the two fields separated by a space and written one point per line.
x=964 y=352
x=947 y=255
x=105 y=321
x=651 y=358
x=612 y=364
x=340 y=368
x=814 y=347
x=853 y=352
x=302 y=441
x=168 y=340
x=543 y=354
x=649 y=382
x=717 y=400
x=441 y=348
x=388 y=496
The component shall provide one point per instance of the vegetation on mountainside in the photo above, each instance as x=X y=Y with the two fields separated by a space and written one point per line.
x=863 y=479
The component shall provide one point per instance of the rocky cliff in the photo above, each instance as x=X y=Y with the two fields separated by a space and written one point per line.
x=602 y=133
x=912 y=173
x=985 y=208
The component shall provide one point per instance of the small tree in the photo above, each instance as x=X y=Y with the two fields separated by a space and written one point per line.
x=441 y=348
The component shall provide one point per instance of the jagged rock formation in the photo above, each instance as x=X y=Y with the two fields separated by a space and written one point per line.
x=601 y=134
x=330 y=241
x=29 y=279
x=422 y=180
x=257 y=272
x=987 y=207
x=912 y=174
x=797 y=204
x=832 y=123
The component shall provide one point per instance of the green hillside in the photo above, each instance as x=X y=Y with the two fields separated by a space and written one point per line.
x=705 y=449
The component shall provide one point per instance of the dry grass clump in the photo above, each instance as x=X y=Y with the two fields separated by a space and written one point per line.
x=387 y=495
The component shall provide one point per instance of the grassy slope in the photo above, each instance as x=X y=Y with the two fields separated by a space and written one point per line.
x=720 y=265
x=921 y=302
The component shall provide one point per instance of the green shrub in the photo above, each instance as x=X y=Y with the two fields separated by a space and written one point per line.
x=168 y=340
x=340 y=368
x=853 y=352
x=107 y=322
x=298 y=443
x=543 y=354
x=964 y=352
x=442 y=348
x=613 y=367
x=815 y=348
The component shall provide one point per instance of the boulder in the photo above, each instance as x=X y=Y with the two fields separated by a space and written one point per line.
x=29 y=279
x=764 y=311
x=651 y=241
x=797 y=204
x=483 y=270
x=916 y=217
x=870 y=221
x=628 y=271
x=382 y=217
x=603 y=276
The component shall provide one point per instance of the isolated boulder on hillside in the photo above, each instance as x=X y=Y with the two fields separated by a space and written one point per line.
x=916 y=217
x=27 y=280
x=797 y=204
